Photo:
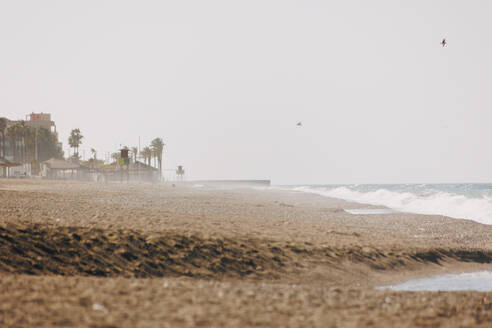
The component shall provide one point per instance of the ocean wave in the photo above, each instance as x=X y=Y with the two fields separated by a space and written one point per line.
x=429 y=202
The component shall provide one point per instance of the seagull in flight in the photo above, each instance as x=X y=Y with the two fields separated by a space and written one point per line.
x=299 y=124
x=443 y=42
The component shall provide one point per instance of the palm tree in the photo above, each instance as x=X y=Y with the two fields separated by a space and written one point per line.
x=157 y=147
x=3 y=128
x=153 y=157
x=23 y=132
x=12 y=135
x=48 y=146
x=146 y=153
x=30 y=143
x=134 y=151
x=74 y=141
x=115 y=156
x=93 y=159
x=16 y=134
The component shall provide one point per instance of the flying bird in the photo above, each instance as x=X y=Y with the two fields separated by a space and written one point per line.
x=299 y=124
x=443 y=42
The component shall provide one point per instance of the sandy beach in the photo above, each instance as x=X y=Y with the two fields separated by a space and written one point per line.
x=76 y=254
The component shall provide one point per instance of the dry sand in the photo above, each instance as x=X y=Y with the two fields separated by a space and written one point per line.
x=141 y=255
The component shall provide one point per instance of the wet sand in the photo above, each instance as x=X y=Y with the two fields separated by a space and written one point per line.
x=140 y=255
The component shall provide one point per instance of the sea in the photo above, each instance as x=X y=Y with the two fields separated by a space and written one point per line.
x=471 y=201
x=477 y=281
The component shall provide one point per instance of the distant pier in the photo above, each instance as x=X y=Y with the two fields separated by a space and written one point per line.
x=234 y=183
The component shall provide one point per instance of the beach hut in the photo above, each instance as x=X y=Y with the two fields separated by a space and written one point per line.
x=5 y=164
x=61 y=169
x=142 y=172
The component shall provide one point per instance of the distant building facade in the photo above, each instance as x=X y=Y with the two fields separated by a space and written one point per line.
x=25 y=147
x=41 y=120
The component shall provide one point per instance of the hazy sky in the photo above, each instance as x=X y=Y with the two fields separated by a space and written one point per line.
x=225 y=82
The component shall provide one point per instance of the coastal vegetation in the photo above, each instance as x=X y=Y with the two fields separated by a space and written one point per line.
x=75 y=140
x=3 y=127
x=152 y=153
x=28 y=144
x=157 y=147
x=31 y=143
x=134 y=152
x=146 y=154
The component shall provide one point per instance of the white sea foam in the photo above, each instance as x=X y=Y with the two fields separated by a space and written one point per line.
x=478 y=281
x=429 y=202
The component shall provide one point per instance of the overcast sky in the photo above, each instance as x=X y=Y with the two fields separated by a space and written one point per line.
x=225 y=82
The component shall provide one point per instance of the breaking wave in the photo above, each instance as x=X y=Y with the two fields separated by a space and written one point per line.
x=428 y=201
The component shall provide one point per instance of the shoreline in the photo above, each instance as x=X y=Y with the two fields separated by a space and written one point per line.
x=71 y=233
x=422 y=199
x=348 y=231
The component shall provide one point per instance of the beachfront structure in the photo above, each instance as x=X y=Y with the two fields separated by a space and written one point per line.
x=142 y=172
x=29 y=142
x=61 y=169
x=5 y=165
x=41 y=120
x=134 y=171
x=180 y=172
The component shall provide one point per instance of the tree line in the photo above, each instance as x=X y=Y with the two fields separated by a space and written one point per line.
x=152 y=152
x=28 y=144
